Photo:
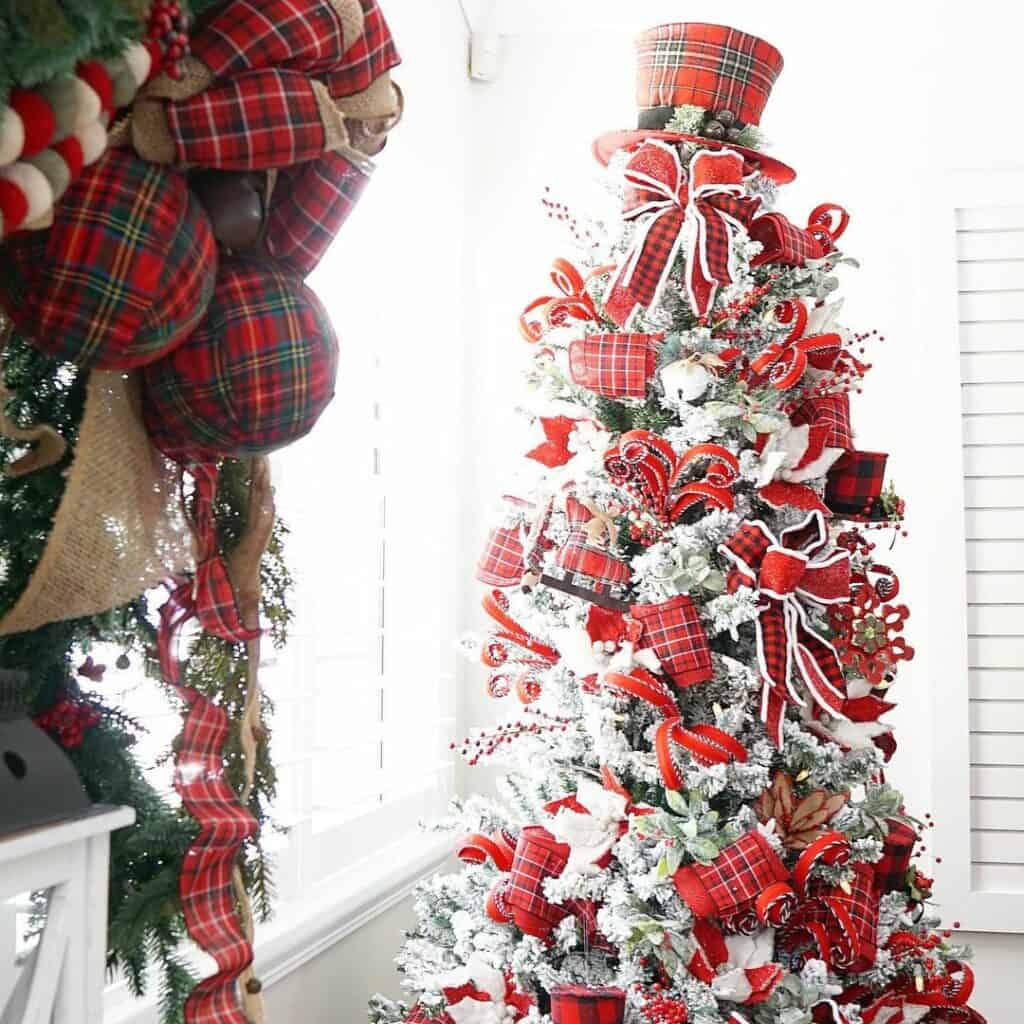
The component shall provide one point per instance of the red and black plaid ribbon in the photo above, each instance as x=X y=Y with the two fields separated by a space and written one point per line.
x=783 y=242
x=656 y=198
x=731 y=884
x=897 y=851
x=614 y=365
x=854 y=483
x=207 y=895
x=304 y=37
x=717 y=204
x=788 y=571
x=579 y=1004
x=538 y=856
x=833 y=410
x=673 y=630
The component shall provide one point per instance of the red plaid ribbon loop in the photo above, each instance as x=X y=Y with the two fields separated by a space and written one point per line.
x=614 y=365
x=788 y=572
x=717 y=202
x=207 y=893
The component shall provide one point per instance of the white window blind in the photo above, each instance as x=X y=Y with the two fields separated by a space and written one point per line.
x=978 y=607
x=990 y=263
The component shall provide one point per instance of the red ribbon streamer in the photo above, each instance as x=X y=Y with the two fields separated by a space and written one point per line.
x=789 y=571
x=706 y=743
x=205 y=886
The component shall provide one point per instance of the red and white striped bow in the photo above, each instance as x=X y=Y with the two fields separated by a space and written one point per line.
x=789 y=572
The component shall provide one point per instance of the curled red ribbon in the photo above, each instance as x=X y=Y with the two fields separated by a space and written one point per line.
x=707 y=744
x=554 y=310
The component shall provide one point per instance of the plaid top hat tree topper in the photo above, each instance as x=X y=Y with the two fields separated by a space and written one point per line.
x=700 y=759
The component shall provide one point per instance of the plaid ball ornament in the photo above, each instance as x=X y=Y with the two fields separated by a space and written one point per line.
x=254 y=377
x=731 y=884
x=123 y=275
x=538 y=856
x=580 y=1004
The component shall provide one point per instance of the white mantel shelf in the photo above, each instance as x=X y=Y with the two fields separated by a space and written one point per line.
x=62 y=979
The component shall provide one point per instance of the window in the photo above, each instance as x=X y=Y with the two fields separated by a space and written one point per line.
x=979 y=619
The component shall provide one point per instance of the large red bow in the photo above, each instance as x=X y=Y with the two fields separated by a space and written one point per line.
x=717 y=201
x=788 y=572
x=662 y=203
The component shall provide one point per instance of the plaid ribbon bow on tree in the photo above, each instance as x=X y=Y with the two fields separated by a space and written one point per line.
x=789 y=572
x=664 y=203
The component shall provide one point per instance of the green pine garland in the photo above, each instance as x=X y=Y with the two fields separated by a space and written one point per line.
x=145 y=920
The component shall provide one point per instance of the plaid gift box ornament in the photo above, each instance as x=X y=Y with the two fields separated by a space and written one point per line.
x=854 y=484
x=582 y=1004
x=712 y=66
x=538 y=856
x=614 y=365
x=583 y=565
x=897 y=851
x=123 y=275
x=673 y=630
x=254 y=376
x=734 y=881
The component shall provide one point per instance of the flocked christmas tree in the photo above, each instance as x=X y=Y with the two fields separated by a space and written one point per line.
x=697 y=825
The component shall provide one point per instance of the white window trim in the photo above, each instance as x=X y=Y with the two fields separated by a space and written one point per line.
x=324 y=916
x=944 y=534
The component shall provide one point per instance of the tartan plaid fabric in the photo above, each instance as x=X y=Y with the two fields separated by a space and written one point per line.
x=614 y=365
x=538 y=856
x=833 y=410
x=261 y=119
x=584 y=565
x=308 y=207
x=207 y=894
x=709 y=66
x=368 y=58
x=749 y=544
x=855 y=482
x=783 y=242
x=672 y=629
x=303 y=36
x=124 y=274
x=731 y=883
x=585 y=912
x=578 y=1004
x=897 y=850
x=501 y=562
x=255 y=375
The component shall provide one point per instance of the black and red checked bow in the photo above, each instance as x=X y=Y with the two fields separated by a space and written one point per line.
x=656 y=198
x=717 y=203
x=788 y=573
x=205 y=884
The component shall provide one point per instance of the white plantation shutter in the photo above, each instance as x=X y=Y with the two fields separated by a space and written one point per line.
x=979 y=627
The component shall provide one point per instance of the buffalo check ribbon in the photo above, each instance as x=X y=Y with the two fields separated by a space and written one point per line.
x=717 y=203
x=790 y=572
x=656 y=198
x=205 y=882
